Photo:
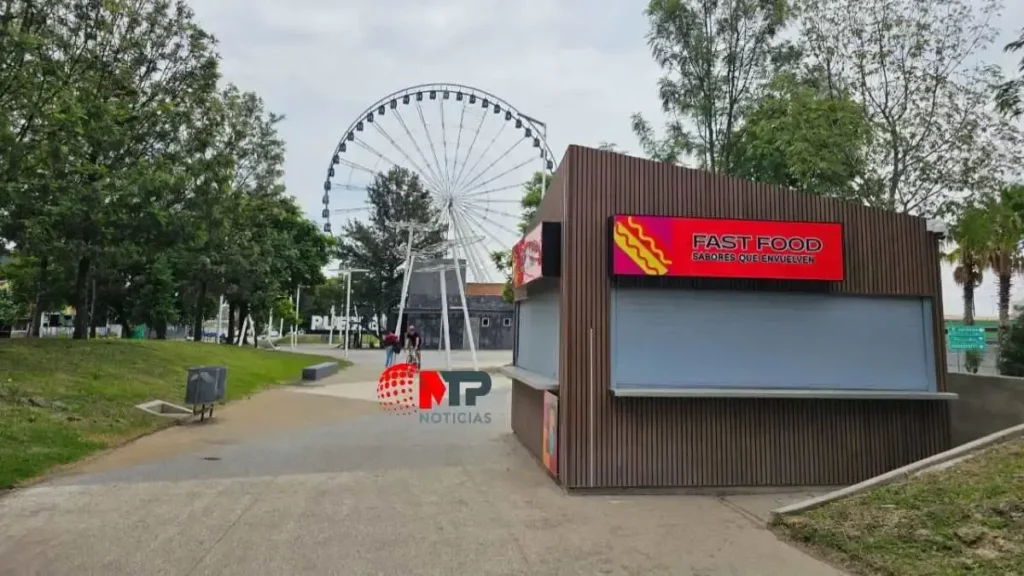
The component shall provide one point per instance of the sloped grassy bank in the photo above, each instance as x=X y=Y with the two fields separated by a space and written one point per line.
x=61 y=400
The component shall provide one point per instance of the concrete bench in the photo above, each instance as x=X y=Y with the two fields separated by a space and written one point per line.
x=319 y=371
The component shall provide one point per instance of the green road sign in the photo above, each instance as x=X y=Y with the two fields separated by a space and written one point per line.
x=965 y=338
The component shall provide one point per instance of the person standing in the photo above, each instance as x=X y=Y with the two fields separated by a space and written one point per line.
x=389 y=343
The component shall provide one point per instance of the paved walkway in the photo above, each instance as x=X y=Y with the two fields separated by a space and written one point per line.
x=316 y=481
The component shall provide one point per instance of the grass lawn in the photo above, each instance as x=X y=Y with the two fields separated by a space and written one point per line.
x=61 y=400
x=966 y=519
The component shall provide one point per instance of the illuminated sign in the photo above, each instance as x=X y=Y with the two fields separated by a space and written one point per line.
x=527 y=259
x=538 y=254
x=720 y=248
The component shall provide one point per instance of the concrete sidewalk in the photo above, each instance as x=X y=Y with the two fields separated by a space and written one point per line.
x=304 y=483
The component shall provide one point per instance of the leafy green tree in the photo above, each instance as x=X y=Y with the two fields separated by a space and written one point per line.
x=10 y=310
x=320 y=299
x=379 y=246
x=1009 y=97
x=533 y=193
x=908 y=63
x=799 y=136
x=130 y=187
x=105 y=133
x=716 y=57
x=1011 y=347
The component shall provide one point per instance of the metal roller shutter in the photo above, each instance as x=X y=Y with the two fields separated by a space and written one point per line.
x=537 y=337
x=726 y=339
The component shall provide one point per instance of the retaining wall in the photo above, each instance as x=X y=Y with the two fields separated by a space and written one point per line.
x=987 y=404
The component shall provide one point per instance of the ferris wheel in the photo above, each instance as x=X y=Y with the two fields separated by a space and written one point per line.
x=471 y=150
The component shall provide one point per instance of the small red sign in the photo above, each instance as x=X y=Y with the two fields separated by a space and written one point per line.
x=719 y=248
x=527 y=261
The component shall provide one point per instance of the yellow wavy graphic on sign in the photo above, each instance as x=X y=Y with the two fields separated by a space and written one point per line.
x=643 y=255
x=647 y=240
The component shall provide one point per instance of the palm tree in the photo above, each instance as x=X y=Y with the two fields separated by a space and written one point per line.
x=1003 y=254
x=969 y=255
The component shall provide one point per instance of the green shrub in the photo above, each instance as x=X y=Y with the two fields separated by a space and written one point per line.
x=1011 y=346
x=972 y=361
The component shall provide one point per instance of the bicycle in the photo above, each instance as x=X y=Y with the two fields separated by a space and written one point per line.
x=412 y=356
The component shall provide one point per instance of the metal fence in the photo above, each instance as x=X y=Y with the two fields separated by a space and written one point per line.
x=956 y=360
x=173 y=332
x=68 y=331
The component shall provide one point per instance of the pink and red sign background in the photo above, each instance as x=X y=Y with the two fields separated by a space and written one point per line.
x=674 y=237
x=527 y=263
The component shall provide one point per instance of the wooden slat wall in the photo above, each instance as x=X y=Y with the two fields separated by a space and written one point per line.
x=618 y=442
x=528 y=416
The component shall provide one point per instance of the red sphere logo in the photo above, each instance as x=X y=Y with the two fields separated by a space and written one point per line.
x=396 y=389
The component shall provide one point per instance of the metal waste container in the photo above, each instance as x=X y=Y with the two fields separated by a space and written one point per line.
x=206 y=385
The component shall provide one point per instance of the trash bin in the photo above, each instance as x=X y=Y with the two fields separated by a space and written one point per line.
x=205 y=385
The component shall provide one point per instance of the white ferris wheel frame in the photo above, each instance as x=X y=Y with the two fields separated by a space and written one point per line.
x=460 y=224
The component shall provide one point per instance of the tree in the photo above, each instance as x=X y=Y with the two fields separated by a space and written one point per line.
x=533 y=193
x=130 y=186
x=1010 y=94
x=716 y=57
x=126 y=76
x=905 y=61
x=1006 y=220
x=798 y=136
x=379 y=246
x=988 y=235
x=971 y=235
x=1011 y=347
x=10 y=311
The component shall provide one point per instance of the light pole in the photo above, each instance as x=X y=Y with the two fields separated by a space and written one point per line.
x=295 y=325
x=348 y=301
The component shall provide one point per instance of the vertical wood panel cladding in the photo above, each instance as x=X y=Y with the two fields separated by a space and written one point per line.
x=528 y=416
x=630 y=442
x=551 y=205
x=661 y=442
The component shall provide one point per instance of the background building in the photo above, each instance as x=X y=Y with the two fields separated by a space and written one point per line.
x=490 y=316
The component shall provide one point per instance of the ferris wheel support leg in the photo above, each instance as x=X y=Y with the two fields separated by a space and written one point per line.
x=465 y=308
x=409 y=258
x=444 y=320
x=405 y=293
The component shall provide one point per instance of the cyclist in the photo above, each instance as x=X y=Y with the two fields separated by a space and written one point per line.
x=412 y=344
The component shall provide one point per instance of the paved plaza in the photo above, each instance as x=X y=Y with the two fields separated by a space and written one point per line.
x=318 y=481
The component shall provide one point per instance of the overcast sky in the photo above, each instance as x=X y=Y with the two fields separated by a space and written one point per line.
x=582 y=67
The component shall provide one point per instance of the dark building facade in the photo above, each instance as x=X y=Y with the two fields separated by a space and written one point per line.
x=490 y=316
x=703 y=331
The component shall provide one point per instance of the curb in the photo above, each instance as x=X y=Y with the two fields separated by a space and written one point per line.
x=899 y=473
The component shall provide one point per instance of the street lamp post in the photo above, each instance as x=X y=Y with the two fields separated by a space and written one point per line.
x=295 y=325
